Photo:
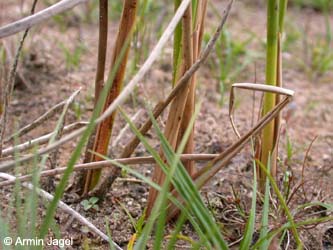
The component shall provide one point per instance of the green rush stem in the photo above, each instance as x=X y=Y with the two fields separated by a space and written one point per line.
x=271 y=76
x=283 y=10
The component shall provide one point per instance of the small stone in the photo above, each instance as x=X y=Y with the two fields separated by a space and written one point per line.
x=143 y=200
x=326 y=157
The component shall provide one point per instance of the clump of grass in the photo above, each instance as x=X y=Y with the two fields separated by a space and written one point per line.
x=232 y=57
x=177 y=175
x=178 y=105
x=319 y=51
x=187 y=45
x=73 y=57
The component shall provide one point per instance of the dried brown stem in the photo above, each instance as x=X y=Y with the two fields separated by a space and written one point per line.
x=40 y=140
x=47 y=115
x=11 y=82
x=104 y=130
x=99 y=78
x=108 y=164
x=190 y=102
x=177 y=107
x=102 y=47
x=39 y=17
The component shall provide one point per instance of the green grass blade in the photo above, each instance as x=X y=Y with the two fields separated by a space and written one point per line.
x=250 y=225
x=265 y=213
x=187 y=189
x=20 y=220
x=180 y=222
x=161 y=163
x=271 y=79
x=287 y=226
x=194 y=12
x=31 y=208
x=283 y=10
x=283 y=203
x=175 y=160
x=169 y=172
x=160 y=225
x=4 y=231
x=128 y=215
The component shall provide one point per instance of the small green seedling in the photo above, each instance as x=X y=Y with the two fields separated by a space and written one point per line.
x=90 y=203
x=77 y=109
x=73 y=58
x=290 y=150
x=137 y=225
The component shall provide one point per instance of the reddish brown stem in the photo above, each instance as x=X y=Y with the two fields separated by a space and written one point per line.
x=190 y=102
x=102 y=47
x=104 y=130
x=177 y=107
x=99 y=78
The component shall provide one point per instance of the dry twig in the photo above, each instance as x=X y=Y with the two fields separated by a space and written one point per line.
x=40 y=140
x=108 y=164
x=11 y=82
x=39 y=17
x=57 y=135
x=47 y=115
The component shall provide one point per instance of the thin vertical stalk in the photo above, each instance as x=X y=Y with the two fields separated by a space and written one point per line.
x=104 y=130
x=279 y=82
x=190 y=103
x=282 y=13
x=275 y=22
x=178 y=105
x=329 y=32
x=177 y=47
x=271 y=79
x=100 y=71
x=102 y=47
x=10 y=82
